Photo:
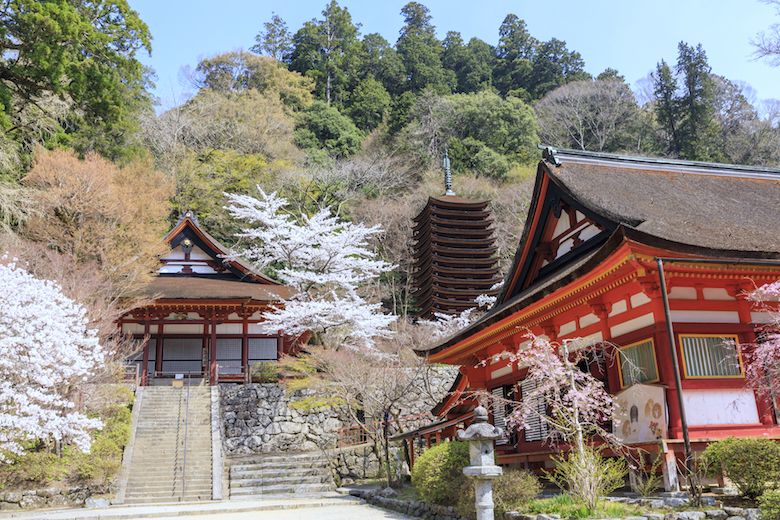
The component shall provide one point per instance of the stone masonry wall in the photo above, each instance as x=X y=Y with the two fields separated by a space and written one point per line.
x=260 y=418
x=51 y=497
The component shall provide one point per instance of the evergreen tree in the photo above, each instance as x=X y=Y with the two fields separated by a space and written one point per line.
x=554 y=65
x=327 y=51
x=472 y=64
x=378 y=59
x=420 y=52
x=685 y=105
x=698 y=130
x=275 y=41
x=369 y=104
x=515 y=51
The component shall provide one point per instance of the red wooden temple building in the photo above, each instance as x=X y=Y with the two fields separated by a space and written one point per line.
x=587 y=266
x=455 y=255
x=206 y=317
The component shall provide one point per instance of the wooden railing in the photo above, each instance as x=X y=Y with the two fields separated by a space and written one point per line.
x=362 y=433
x=132 y=373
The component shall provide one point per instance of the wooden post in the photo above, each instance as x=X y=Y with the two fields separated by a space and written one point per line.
x=410 y=442
x=213 y=356
x=669 y=468
x=145 y=357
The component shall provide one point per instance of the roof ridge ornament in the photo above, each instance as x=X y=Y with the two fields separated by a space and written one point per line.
x=189 y=214
x=447 y=173
x=549 y=153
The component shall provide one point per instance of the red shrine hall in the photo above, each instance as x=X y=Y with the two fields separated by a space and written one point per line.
x=205 y=320
x=601 y=231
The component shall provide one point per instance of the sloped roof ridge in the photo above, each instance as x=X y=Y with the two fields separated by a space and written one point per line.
x=190 y=219
x=662 y=164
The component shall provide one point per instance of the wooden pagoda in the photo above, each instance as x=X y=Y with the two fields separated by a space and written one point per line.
x=454 y=255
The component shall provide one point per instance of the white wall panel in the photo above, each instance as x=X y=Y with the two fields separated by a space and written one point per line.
x=720 y=406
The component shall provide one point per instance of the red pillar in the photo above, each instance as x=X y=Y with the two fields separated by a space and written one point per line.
x=213 y=354
x=145 y=359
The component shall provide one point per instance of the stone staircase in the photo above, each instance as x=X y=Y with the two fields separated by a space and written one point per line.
x=304 y=475
x=155 y=473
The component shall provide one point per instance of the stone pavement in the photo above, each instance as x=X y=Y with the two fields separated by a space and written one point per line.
x=332 y=507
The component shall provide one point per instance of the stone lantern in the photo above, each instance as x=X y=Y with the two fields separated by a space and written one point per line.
x=481 y=435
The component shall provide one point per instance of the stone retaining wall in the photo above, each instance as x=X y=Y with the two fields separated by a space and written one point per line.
x=50 y=497
x=416 y=508
x=420 y=509
x=261 y=418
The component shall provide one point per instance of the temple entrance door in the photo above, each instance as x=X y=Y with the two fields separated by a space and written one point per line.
x=182 y=355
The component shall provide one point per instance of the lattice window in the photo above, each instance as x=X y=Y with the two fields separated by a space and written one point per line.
x=501 y=409
x=229 y=355
x=710 y=356
x=262 y=349
x=182 y=355
x=537 y=428
x=638 y=364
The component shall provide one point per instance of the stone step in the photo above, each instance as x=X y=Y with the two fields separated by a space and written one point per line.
x=192 y=447
x=279 y=488
x=278 y=481
x=162 y=487
x=295 y=472
x=158 y=452
x=275 y=466
x=200 y=497
x=171 y=476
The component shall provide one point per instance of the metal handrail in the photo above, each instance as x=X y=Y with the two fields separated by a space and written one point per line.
x=186 y=427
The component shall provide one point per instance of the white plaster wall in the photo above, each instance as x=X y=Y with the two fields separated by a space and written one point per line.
x=567 y=328
x=717 y=293
x=256 y=328
x=631 y=325
x=133 y=328
x=183 y=329
x=761 y=317
x=683 y=293
x=639 y=299
x=720 y=406
x=495 y=374
x=618 y=308
x=230 y=328
x=588 y=319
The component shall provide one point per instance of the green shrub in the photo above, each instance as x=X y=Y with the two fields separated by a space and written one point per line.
x=438 y=473
x=770 y=505
x=752 y=464
x=108 y=444
x=588 y=475
x=510 y=491
x=572 y=508
x=265 y=372
x=39 y=467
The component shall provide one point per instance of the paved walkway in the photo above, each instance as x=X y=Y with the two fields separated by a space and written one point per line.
x=335 y=507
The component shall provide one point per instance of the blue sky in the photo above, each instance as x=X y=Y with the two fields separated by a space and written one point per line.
x=629 y=36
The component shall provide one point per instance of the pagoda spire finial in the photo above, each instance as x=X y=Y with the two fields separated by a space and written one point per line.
x=447 y=173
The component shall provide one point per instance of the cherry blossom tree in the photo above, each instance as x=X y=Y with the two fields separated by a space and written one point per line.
x=327 y=261
x=447 y=324
x=762 y=367
x=576 y=407
x=577 y=404
x=46 y=350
